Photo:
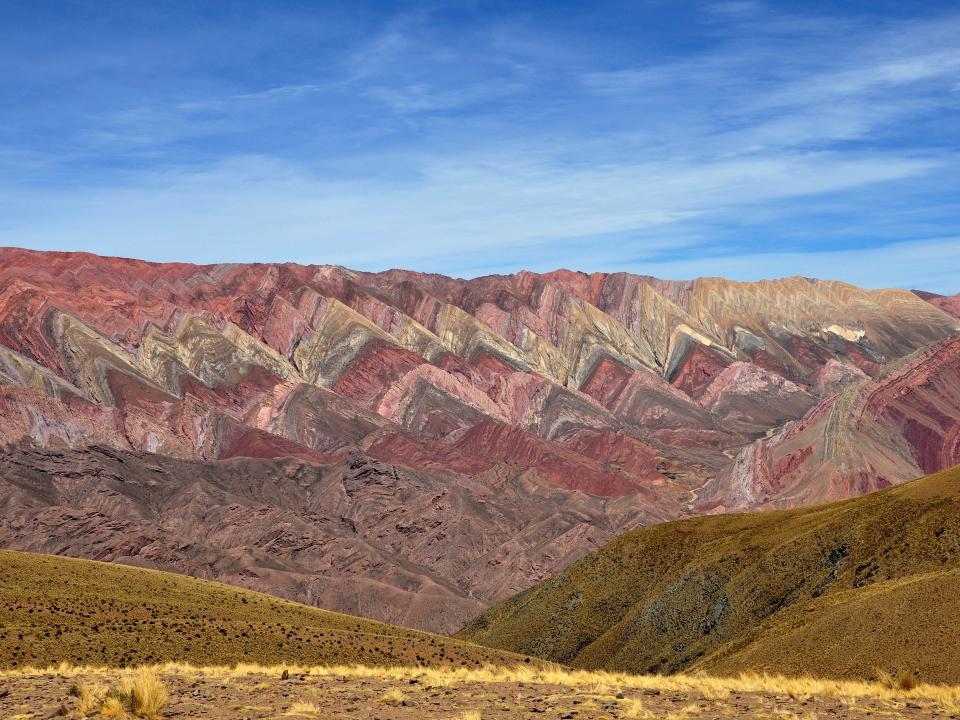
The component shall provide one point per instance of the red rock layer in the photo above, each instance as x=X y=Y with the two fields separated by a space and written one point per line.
x=948 y=303
x=873 y=433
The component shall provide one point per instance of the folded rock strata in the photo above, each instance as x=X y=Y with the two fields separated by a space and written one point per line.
x=561 y=408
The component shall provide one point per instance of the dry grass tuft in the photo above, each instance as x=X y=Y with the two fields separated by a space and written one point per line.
x=683 y=713
x=141 y=694
x=393 y=697
x=903 y=680
x=906 y=681
x=711 y=691
x=302 y=708
x=146 y=692
x=112 y=707
x=634 y=710
x=87 y=697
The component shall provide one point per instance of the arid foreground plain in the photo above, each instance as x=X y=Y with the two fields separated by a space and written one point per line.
x=250 y=691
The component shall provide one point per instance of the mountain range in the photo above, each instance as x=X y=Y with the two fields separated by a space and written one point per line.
x=413 y=448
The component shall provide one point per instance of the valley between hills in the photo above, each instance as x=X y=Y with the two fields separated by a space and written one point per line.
x=302 y=491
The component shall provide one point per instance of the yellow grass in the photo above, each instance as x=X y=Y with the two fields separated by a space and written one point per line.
x=634 y=709
x=146 y=693
x=87 y=697
x=112 y=707
x=903 y=680
x=683 y=713
x=149 y=689
x=393 y=697
x=302 y=708
x=140 y=692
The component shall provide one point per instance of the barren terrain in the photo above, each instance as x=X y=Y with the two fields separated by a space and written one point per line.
x=371 y=693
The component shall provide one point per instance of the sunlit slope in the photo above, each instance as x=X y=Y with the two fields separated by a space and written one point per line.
x=55 y=609
x=831 y=590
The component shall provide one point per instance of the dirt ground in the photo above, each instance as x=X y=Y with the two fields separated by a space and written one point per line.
x=193 y=695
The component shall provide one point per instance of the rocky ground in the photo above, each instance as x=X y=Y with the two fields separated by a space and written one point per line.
x=471 y=696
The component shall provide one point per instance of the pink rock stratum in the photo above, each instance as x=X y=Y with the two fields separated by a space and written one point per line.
x=413 y=447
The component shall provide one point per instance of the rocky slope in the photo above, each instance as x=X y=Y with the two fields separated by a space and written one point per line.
x=835 y=590
x=596 y=402
x=874 y=433
x=948 y=303
x=422 y=549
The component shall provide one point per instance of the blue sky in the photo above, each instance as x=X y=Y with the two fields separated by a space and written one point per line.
x=738 y=138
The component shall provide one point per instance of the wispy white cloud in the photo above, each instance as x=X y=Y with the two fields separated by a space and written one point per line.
x=735 y=7
x=767 y=73
x=475 y=204
x=422 y=97
x=866 y=77
x=936 y=261
x=271 y=95
x=502 y=147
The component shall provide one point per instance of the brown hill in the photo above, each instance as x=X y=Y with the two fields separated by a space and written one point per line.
x=834 y=590
x=55 y=609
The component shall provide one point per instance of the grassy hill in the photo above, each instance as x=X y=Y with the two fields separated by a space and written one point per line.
x=55 y=609
x=835 y=590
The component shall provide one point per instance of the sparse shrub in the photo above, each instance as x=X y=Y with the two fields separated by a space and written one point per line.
x=904 y=680
x=302 y=708
x=142 y=695
x=393 y=697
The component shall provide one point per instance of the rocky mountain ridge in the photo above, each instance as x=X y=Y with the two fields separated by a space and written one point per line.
x=606 y=402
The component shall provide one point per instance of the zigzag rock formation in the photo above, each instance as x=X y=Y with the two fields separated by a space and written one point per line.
x=873 y=433
x=337 y=436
